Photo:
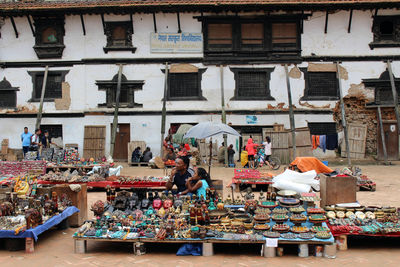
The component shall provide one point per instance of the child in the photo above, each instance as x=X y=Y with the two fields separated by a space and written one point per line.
x=199 y=182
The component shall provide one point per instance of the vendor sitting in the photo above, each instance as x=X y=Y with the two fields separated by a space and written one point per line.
x=170 y=155
x=199 y=183
x=179 y=175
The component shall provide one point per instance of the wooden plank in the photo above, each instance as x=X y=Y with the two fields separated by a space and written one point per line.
x=357 y=141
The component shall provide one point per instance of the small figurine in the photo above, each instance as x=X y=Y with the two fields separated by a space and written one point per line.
x=261 y=198
x=249 y=194
x=228 y=200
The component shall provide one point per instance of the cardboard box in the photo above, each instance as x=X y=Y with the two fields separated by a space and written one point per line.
x=336 y=190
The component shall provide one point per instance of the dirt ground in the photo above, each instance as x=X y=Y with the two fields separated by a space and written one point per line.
x=56 y=247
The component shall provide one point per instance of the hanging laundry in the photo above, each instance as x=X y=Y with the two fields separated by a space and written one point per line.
x=322 y=142
x=332 y=141
x=315 y=141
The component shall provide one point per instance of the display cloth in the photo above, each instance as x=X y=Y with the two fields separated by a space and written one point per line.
x=33 y=233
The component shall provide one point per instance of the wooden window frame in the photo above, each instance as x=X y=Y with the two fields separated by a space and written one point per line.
x=267 y=71
x=380 y=84
x=110 y=86
x=5 y=87
x=240 y=51
x=307 y=88
x=381 y=42
x=108 y=30
x=198 y=97
x=49 y=50
x=34 y=75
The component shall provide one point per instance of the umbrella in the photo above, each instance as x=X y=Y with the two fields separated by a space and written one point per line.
x=209 y=129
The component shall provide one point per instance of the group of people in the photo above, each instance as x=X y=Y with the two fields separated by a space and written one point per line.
x=138 y=156
x=187 y=180
x=33 y=142
x=231 y=154
x=250 y=150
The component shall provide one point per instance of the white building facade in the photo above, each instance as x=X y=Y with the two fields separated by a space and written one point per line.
x=251 y=47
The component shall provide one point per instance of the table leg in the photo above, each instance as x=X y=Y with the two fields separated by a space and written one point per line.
x=269 y=252
x=80 y=246
x=208 y=249
x=29 y=245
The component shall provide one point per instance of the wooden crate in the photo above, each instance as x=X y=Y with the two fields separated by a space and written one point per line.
x=79 y=200
x=336 y=190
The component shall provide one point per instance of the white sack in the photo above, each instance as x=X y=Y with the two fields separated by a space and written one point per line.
x=296 y=181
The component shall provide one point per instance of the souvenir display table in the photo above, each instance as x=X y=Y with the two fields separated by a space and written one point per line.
x=250 y=177
x=115 y=184
x=180 y=219
x=15 y=168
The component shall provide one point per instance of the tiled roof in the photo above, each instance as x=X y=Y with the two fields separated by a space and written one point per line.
x=25 y=5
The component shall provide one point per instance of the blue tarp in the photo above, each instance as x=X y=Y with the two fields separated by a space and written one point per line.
x=33 y=233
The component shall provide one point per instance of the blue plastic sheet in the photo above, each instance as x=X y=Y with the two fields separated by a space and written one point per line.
x=33 y=233
x=190 y=249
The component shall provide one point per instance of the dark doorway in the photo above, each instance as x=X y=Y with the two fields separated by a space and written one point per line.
x=391 y=140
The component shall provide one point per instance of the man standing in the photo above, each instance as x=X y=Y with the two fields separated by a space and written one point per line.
x=35 y=143
x=26 y=140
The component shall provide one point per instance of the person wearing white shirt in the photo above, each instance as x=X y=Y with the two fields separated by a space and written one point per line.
x=267 y=149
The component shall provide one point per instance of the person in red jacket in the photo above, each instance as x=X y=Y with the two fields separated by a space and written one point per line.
x=251 y=151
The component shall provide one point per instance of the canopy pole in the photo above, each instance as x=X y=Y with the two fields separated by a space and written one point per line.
x=291 y=113
x=346 y=135
x=116 y=109
x=39 y=115
x=221 y=68
x=164 y=109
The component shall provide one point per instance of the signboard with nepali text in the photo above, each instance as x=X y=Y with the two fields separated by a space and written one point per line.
x=176 y=42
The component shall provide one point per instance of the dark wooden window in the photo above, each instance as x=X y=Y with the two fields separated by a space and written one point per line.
x=252 y=84
x=49 y=37
x=55 y=130
x=127 y=93
x=383 y=89
x=386 y=30
x=240 y=38
x=119 y=36
x=322 y=128
x=320 y=85
x=8 y=94
x=53 y=85
x=185 y=86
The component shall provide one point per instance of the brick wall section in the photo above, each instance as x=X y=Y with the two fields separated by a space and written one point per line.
x=356 y=112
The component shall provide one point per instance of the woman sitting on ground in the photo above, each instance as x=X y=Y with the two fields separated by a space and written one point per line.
x=199 y=183
x=136 y=155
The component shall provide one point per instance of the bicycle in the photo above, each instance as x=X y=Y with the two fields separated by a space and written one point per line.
x=260 y=160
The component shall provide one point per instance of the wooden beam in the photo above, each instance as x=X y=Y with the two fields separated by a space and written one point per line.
x=115 y=121
x=382 y=135
x=291 y=114
x=376 y=12
x=15 y=27
x=164 y=108
x=350 y=18
x=302 y=22
x=104 y=25
x=83 y=25
x=223 y=113
x=30 y=25
x=344 y=124
x=39 y=115
x=179 y=22
x=155 y=22
x=326 y=22
x=131 y=17
x=395 y=96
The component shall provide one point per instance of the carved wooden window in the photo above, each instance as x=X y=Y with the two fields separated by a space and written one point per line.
x=8 y=94
x=320 y=85
x=53 y=85
x=127 y=92
x=252 y=84
x=383 y=89
x=49 y=37
x=185 y=86
x=386 y=30
x=233 y=38
x=119 y=36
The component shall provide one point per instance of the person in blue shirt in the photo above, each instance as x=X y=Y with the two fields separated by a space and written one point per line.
x=26 y=140
x=199 y=183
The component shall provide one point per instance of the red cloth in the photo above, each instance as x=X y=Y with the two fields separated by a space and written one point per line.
x=187 y=147
x=250 y=147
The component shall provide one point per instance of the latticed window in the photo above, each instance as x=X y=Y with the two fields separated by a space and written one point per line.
x=8 y=99
x=184 y=85
x=252 y=84
x=53 y=84
x=320 y=85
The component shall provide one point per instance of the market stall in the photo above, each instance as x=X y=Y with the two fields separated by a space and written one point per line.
x=166 y=218
x=244 y=178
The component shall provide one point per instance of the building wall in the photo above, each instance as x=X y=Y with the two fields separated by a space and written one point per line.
x=85 y=95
